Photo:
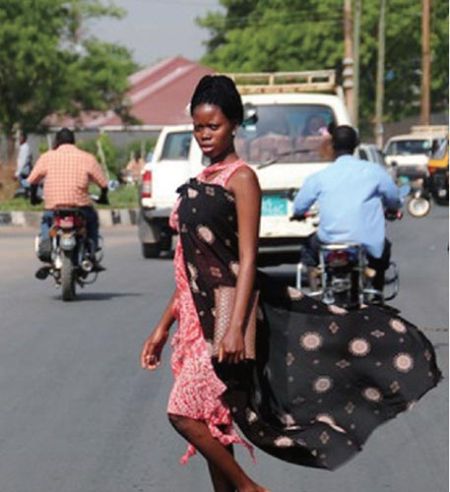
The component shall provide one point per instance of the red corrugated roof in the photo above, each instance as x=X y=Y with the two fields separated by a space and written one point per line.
x=158 y=95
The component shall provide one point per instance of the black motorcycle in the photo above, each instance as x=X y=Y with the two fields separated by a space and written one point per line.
x=71 y=253
x=343 y=276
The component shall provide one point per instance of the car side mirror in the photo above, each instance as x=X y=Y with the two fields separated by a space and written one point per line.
x=250 y=115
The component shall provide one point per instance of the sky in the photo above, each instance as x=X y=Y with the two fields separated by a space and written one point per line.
x=157 y=29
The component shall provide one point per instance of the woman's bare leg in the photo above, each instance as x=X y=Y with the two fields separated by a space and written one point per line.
x=217 y=455
x=219 y=480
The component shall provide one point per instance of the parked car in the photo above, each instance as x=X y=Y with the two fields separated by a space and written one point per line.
x=282 y=139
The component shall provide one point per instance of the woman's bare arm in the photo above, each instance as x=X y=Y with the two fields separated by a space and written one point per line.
x=245 y=187
x=153 y=346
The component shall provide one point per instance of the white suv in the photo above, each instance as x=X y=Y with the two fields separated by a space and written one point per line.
x=283 y=143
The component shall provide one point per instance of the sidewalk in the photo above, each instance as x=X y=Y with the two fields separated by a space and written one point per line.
x=107 y=217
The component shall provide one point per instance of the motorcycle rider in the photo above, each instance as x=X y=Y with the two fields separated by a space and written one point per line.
x=352 y=195
x=67 y=172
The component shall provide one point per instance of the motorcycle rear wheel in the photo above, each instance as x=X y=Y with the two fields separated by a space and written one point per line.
x=67 y=278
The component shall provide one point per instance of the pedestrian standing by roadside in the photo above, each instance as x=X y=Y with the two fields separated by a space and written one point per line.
x=133 y=169
x=304 y=382
x=24 y=157
x=24 y=163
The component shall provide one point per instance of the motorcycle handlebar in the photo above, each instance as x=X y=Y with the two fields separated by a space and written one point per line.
x=300 y=218
x=392 y=215
x=99 y=201
x=296 y=218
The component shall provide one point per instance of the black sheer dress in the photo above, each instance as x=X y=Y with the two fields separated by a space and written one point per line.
x=323 y=378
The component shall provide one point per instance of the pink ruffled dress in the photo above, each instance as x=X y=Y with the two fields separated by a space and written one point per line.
x=197 y=390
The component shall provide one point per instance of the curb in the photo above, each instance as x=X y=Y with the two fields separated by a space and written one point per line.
x=107 y=218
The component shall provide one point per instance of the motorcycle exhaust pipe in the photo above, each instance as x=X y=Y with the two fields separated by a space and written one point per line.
x=87 y=265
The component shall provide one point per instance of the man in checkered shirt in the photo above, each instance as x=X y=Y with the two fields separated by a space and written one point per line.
x=67 y=172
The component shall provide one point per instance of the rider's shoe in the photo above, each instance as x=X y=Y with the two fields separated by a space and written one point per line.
x=42 y=273
x=98 y=268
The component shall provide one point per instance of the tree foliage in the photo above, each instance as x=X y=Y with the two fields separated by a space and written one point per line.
x=270 y=35
x=49 y=64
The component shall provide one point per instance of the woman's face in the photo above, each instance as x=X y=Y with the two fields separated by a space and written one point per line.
x=213 y=130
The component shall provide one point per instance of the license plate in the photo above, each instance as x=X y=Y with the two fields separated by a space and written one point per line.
x=274 y=205
x=67 y=243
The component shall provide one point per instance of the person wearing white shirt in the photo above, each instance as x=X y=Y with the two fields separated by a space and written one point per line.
x=23 y=158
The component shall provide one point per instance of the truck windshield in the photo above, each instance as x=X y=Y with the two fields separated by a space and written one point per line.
x=440 y=148
x=410 y=147
x=177 y=146
x=290 y=133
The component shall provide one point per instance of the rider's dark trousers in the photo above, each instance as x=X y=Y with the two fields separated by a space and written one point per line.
x=92 y=224
x=380 y=265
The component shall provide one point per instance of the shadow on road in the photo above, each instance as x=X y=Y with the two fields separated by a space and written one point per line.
x=101 y=296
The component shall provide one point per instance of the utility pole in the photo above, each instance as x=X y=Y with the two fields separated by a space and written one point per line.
x=356 y=43
x=347 y=73
x=379 y=97
x=426 y=64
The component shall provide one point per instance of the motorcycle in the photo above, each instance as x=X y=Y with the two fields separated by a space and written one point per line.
x=70 y=252
x=343 y=275
x=419 y=202
x=345 y=278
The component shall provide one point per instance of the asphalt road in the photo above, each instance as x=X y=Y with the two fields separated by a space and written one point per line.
x=77 y=414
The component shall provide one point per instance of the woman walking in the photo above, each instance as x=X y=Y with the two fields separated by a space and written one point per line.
x=305 y=382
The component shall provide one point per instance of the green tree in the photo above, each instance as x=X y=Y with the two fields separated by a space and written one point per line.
x=48 y=64
x=270 y=35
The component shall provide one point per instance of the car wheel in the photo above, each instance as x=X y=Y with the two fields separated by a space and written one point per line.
x=151 y=250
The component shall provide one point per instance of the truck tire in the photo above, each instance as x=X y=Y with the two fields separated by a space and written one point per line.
x=151 y=250
x=67 y=278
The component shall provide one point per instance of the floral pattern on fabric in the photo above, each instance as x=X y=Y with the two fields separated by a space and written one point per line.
x=323 y=378
x=197 y=390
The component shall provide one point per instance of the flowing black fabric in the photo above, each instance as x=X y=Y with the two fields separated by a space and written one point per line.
x=323 y=380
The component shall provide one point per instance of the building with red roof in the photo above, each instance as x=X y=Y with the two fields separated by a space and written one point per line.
x=158 y=96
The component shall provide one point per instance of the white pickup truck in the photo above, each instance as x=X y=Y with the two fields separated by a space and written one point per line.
x=409 y=154
x=283 y=143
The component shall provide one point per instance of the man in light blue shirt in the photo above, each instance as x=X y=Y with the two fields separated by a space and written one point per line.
x=352 y=195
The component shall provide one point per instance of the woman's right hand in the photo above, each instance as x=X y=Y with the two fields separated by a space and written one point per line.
x=151 y=351
x=232 y=348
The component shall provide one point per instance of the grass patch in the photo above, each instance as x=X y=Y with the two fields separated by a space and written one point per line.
x=19 y=205
x=126 y=196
